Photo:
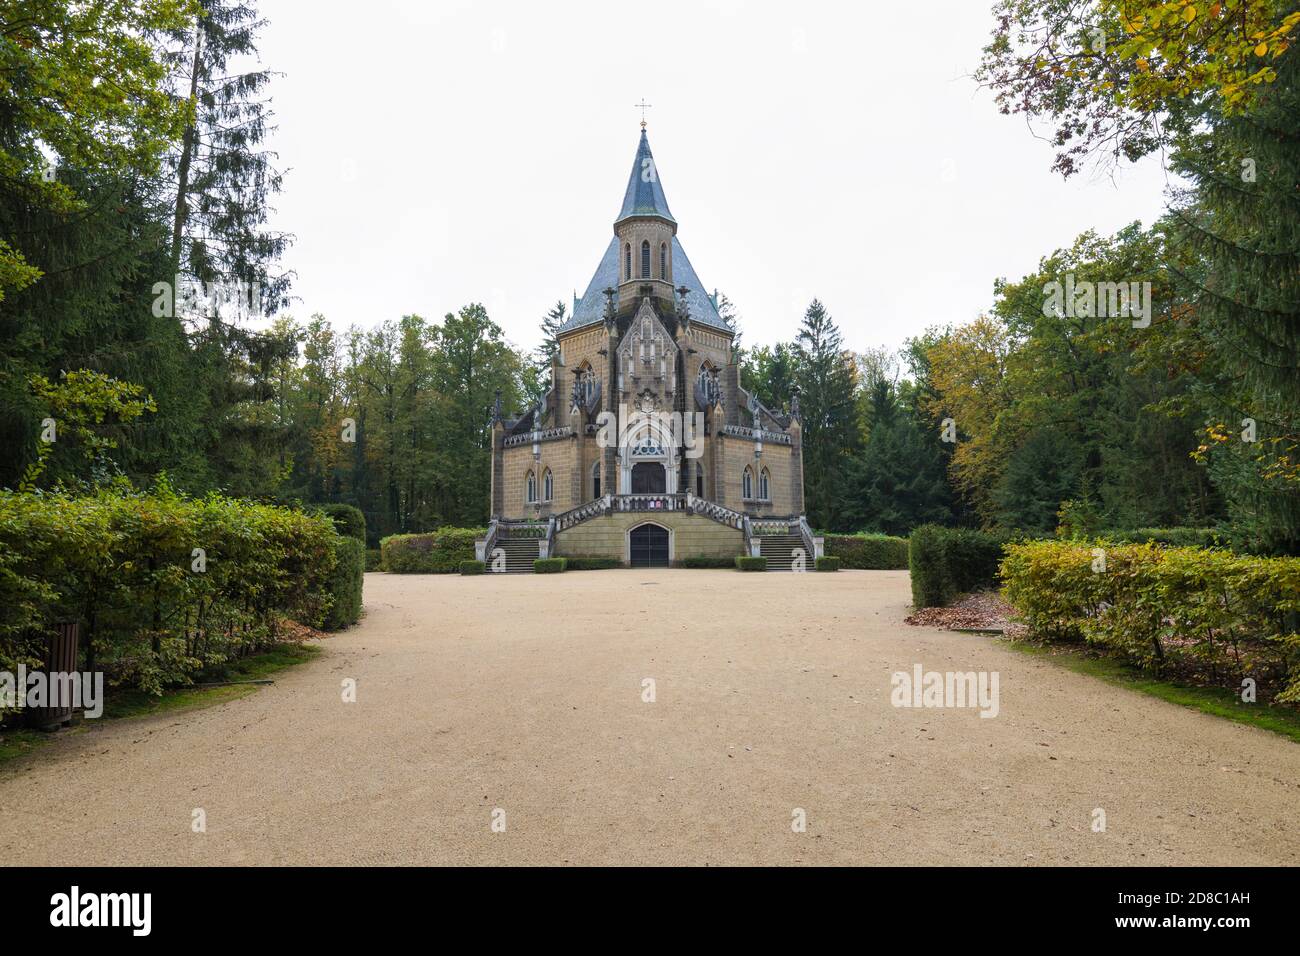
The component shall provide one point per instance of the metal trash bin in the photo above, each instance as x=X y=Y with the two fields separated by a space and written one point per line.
x=60 y=657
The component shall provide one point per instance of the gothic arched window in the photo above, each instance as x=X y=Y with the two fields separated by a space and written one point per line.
x=595 y=480
x=627 y=260
x=645 y=259
x=548 y=485
x=663 y=261
x=747 y=484
x=765 y=486
x=699 y=481
x=530 y=488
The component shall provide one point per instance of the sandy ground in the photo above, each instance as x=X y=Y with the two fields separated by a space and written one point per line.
x=524 y=694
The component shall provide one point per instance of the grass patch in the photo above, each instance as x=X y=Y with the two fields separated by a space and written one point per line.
x=136 y=703
x=15 y=743
x=133 y=703
x=1218 y=701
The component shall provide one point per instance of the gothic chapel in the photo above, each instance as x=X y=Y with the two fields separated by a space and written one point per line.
x=646 y=338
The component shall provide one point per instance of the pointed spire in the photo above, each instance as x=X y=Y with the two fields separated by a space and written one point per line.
x=645 y=195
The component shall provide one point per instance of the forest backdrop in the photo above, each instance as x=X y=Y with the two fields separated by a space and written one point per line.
x=135 y=248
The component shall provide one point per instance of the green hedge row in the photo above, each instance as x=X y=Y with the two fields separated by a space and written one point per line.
x=701 y=562
x=590 y=563
x=165 y=587
x=868 y=552
x=748 y=563
x=1211 y=615
x=473 y=567
x=346 y=582
x=827 y=563
x=437 y=552
x=348 y=520
x=947 y=562
x=550 y=565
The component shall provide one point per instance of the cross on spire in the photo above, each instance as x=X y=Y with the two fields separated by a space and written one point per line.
x=643 y=106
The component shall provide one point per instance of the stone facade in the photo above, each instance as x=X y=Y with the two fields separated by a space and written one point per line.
x=690 y=536
x=645 y=400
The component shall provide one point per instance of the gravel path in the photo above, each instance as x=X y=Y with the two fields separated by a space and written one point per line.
x=772 y=692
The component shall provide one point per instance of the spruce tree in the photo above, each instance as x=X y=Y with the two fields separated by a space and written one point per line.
x=826 y=379
x=550 y=327
x=1239 y=225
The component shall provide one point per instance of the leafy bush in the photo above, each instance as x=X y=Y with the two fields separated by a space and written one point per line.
x=473 y=567
x=164 y=586
x=1210 y=615
x=1175 y=537
x=348 y=520
x=438 y=552
x=699 y=562
x=550 y=565
x=374 y=559
x=827 y=564
x=747 y=563
x=581 y=563
x=946 y=562
x=346 y=583
x=868 y=552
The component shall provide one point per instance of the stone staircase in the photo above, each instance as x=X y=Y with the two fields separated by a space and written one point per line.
x=520 y=554
x=779 y=550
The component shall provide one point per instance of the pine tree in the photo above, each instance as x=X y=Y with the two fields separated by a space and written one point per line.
x=727 y=312
x=222 y=177
x=897 y=482
x=550 y=327
x=1241 y=223
x=826 y=378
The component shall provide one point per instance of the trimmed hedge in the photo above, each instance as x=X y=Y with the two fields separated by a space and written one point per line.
x=827 y=563
x=947 y=562
x=581 y=563
x=868 y=552
x=473 y=567
x=437 y=552
x=701 y=562
x=550 y=565
x=166 y=588
x=748 y=563
x=348 y=520
x=346 y=582
x=374 y=559
x=1211 y=616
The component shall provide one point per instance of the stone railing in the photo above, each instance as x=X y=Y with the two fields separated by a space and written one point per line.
x=649 y=502
x=766 y=526
x=757 y=434
x=483 y=546
x=711 y=509
x=529 y=438
x=813 y=544
x=576 y=516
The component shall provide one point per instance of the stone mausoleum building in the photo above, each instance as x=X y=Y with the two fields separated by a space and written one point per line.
x=645 y=449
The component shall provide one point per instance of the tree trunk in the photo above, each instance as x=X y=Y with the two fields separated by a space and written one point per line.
x=187 y=155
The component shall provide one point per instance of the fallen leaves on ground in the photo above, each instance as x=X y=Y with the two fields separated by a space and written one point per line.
x=984 y=609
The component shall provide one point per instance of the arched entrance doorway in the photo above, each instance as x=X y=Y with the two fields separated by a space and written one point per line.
x=648 y=546
x=649 y=478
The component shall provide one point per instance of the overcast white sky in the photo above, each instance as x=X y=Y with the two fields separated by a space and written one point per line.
x=440 y=153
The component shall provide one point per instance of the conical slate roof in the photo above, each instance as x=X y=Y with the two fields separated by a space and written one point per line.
x=645 y=194
x=644 y=197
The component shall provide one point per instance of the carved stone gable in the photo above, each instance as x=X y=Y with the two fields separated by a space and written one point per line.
x=647 y=362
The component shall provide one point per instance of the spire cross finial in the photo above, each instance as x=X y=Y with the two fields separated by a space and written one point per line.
x=643 y=106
